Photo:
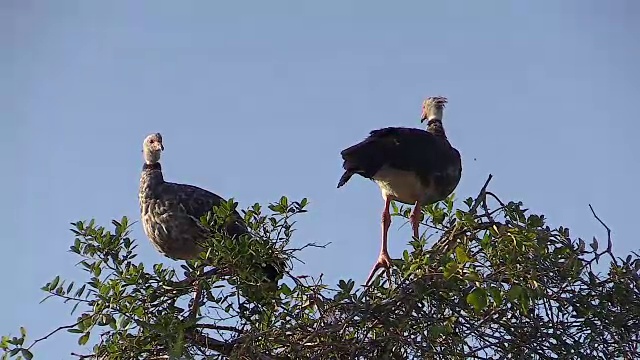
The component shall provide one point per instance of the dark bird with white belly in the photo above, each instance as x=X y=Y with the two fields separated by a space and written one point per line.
x=412 y=166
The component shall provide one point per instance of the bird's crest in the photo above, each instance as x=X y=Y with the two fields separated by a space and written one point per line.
x=432 y=108
x=154 y=136
x=439 y=101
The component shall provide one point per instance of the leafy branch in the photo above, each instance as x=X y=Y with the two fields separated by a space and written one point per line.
x=488 y=279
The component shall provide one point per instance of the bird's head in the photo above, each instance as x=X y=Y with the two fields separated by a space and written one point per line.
x=432 y=108
x=152 y=147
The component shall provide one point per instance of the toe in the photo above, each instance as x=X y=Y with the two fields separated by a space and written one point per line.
x=385 y=260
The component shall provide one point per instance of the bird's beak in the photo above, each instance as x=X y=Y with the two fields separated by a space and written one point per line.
x=161 y=147
x=423 y=117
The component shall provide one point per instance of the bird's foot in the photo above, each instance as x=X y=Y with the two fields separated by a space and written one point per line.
x=384 y=262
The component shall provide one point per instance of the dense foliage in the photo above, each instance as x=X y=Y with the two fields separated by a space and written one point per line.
x=490 y=281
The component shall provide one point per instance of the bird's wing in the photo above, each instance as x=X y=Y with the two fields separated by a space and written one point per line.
x=197 y=202
x=406 y=147
x=398 y=147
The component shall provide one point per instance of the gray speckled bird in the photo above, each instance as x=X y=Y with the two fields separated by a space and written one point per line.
x=171 y=212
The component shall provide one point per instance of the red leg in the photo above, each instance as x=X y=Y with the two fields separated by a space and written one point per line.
x=384 y=260
x=196 y=300
x=415 y=219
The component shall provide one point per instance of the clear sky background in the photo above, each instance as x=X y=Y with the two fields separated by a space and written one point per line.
x=256 y=99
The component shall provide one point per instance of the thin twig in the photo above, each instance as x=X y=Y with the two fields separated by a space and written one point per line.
x=609 y=242
x=481 y=195
x=496 y=198
x=55 y=331
x=210 y=343
x=219 y=327
x=82 y=357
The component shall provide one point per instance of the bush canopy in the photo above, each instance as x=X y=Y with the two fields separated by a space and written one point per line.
x=489 y=280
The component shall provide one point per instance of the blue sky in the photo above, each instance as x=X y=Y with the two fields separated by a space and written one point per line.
x=256 y=99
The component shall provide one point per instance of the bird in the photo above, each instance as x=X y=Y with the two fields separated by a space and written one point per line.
x=170 y=212
x=413 y=166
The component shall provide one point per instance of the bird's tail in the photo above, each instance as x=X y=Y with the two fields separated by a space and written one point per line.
x=345 y=177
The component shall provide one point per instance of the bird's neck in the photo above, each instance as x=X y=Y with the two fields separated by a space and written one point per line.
x=435 y=127
x=151 y=179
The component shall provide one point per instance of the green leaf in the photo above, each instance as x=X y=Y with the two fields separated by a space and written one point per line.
x=469 y=202
x=350 y=285
x=405 y=256
x=80 y=290
x=514 y=293
x=285 y=290
x=69 y=288
x=437 y=330
x=478 y=299
x=394 y=207
x=535 y=221
x=461 y=254
x=97 y=270
x=54 y=283
x=84 y=338
x=23 y=331
x=27 y=354
x=124 y=322
x=438 y=217
x=496 y=295
x=4 y=342
x=472 y=276
x=112 y=322
x=450 y=269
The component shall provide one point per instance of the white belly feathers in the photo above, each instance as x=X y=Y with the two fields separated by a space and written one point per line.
x=403 y=186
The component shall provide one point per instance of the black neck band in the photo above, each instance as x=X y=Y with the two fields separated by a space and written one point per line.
x=154 y=166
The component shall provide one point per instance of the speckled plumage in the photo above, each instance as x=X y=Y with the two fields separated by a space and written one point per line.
x=171 y=212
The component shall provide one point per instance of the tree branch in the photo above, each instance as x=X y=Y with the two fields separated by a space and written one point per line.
x=55 y=331
x=219 y=327
x=609 y=242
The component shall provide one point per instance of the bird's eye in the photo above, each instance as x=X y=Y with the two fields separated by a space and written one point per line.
x=151 y=141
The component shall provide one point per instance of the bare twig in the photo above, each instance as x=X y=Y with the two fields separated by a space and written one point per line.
x=82 y=357
x=495 y=197
x=451 y=234
x=55 y=331
x=210 y=343
x=219 y=327
x=481 y=196
x=609 y=250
